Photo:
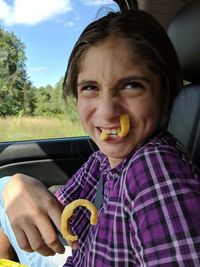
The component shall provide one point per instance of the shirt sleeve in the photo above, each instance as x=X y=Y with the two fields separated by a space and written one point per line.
x=78 y=183
x=164 y=209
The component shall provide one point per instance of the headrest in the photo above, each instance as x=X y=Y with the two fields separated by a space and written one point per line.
x=184 y=32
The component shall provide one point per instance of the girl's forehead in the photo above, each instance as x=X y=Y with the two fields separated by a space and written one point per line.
x=110 y=47
x=112 y=42
x=111 y=61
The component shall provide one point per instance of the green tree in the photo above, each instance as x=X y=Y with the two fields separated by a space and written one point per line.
x=15 y=88
x=50 y=102
x=67 y=107
x=43 y=100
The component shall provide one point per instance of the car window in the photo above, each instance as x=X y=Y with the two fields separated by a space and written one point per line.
x=36 y=38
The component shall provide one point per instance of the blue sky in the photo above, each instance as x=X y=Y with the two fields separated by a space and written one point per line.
x=49 y=29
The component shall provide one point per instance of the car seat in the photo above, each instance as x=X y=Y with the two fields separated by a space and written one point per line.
x=184 y=32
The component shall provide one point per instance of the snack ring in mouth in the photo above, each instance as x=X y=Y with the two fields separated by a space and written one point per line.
x=104 y=136
x=125 y=125
x=124 y=128
x=68 y=212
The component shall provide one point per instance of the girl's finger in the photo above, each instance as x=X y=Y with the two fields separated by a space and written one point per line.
x=22 y=240
x=37 y=243
x=49 y=235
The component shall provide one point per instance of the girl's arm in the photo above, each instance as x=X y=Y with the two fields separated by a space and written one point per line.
x=33 y=211
x=165 y=211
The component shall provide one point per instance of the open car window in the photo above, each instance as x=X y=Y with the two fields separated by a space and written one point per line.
x=36 y=38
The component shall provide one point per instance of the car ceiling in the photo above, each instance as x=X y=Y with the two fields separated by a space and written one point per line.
x=162 y=10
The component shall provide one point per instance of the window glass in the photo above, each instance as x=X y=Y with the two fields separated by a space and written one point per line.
x=36 y=38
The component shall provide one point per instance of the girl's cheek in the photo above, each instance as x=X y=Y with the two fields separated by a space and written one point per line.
x=84 y=110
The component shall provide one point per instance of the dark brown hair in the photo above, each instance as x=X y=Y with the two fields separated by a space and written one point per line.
x=144 y=35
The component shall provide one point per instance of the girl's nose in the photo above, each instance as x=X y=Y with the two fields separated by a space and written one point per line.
x=108 y=107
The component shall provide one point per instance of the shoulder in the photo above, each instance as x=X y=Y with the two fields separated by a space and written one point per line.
x=94 y=160
x=161 y=155
x=160 y=163
x=91 y=169
x=82 y=182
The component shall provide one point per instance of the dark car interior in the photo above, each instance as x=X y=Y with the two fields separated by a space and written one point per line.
x=184 y=122
x=52 y=161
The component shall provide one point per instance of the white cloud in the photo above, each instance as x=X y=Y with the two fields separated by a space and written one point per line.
x=31 y=12
x=69 y=24
x=4 y=9
x=96 y=2
x=37 y=70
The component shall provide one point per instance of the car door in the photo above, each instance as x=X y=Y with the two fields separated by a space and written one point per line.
x=51 y=161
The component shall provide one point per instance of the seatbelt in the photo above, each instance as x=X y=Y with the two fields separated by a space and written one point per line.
x=99 y=194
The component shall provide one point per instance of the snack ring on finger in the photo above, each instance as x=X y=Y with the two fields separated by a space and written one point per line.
x=124 y=124
x=68 y=212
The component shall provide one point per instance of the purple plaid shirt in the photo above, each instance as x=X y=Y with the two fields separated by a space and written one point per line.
x=150 y=215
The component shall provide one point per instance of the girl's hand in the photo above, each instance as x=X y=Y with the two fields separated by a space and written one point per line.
x=31 y=209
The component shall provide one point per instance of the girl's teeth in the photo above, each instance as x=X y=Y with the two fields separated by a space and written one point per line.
x=113 y=131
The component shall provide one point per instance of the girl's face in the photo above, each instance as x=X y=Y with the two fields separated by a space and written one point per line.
x=113 y=80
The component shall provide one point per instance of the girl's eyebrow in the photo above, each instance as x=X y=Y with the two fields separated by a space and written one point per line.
x=133 y=78
x=122 y=80
x=86 y=82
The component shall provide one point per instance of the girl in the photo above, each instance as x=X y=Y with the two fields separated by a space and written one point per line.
x=123 y=63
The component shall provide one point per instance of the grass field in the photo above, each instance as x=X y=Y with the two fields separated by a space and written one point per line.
x=29 y=128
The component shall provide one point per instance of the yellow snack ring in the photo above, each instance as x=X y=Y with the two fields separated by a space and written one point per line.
x=68 y=212
x=8 y=263
x=104 y=136
x=124 y=124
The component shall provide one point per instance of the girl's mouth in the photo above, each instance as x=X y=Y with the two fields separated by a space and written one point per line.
x=116 y=132
x=107 y=134
x=110 y=132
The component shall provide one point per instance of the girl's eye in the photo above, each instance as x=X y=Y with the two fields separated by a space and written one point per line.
x=89 y=88
x=134 y=85
x=88 y=91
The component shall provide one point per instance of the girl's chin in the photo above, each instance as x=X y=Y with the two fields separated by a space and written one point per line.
x=115 y=146
x=116 y=151
x=112 y=139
